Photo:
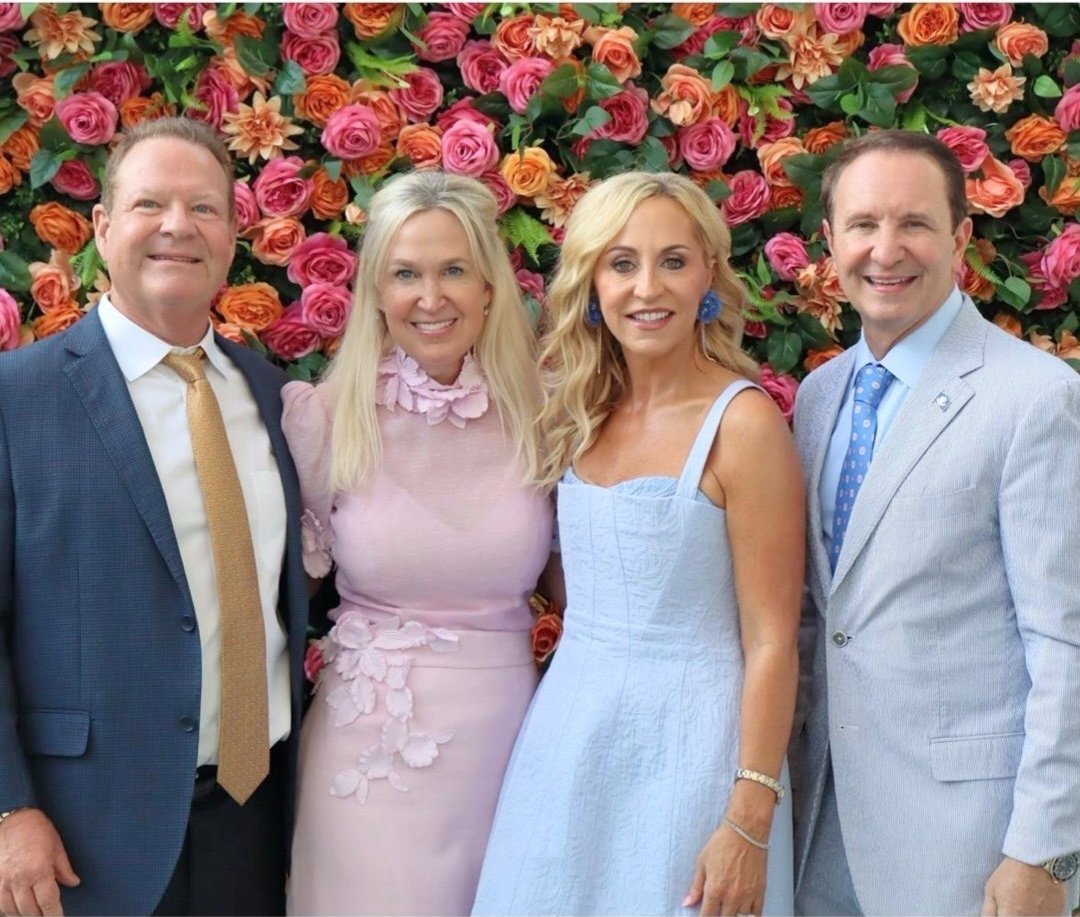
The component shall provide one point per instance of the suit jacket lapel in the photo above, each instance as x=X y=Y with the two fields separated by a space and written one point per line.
x=99 y=383
x=938 y=397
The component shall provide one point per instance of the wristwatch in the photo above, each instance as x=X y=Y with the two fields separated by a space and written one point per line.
x=1061 y=868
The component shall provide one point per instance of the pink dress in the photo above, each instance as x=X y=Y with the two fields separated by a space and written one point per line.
x=428 y=669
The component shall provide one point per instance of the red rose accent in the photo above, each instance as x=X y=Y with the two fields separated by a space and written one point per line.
x=545 y=636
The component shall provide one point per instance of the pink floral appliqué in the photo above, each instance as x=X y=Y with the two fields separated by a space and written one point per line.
x=365 y=653
x=315 y=544
x=403 y=383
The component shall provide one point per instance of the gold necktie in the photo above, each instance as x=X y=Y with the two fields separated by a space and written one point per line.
x=243 y=749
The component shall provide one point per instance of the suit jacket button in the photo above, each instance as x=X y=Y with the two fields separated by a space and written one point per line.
x=840 y=638
x=187 y=624
x=187 y=723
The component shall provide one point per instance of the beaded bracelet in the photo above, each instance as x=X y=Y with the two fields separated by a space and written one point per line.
x=743 y=774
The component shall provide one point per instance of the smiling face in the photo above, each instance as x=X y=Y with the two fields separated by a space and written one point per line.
x=433 y=294
x=168 y=239
x=895 y=251
x=651 y=277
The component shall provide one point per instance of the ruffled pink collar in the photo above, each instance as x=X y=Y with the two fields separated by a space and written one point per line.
x=402 y=383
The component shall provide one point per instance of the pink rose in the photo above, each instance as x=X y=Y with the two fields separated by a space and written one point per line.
x=469 y=149
x=444 y=34
x=695 y=44
x=749 y=197
x=839 y=18
x=168 y=14
x=881 y=10
x=892 y=56
x=316 y=55
x=289 y=337
x=322 y=258
x=787 y=255
x=521 y=80
x=781 y=389
x=1022 y=171
x=309 y=20
x=629 y=112
x=279 y=189
x=11 y=17
x=9 y=44
x=247 y=211
x=976 y=16
x=481 y=66
x=968 y=145
x=119 y=81
x=352 y=132
x=463 y=109
x=1061 y=258
x=775 y=128
x=421 y=97
x=88 y=117
x=671 y=145
x=325 y=307
x=75 y=179
x=219 y=96
x=465 y=11
x=706 y=145
x=1050 y=296
x=313 y=656
x=504 y=196
x=9 y=321
x=531 y=284
x=1067 y=110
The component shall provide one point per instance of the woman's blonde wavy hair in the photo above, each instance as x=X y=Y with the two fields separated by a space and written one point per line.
x=506 y=348
x=582 y=382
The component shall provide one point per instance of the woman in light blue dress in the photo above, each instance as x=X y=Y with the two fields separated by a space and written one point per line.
x=649 y=775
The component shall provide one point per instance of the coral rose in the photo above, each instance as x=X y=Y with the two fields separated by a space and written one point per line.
x=316 y=55
x=685 y=97
x=88 y=117
x=968 y=145
x=250 y=306
x=323 y=95
x=325 y=308
x=929 y=24
x=748 y=200
x=787 y=255
x=1018 y=39
x=279 y=189
x=481 y=66
x=725 y=104
x=782 y=23
x=546 y=632
x=290 y=337
x=391 y=118
x=134 y=111
x=781 y=388
x=521 y=81
x=421 y=144
x=839 y=18
x=322 y=258
x=444 y=35
x=371 y=19
x=352 y=132
x=1066 y=199
x=53 y=285
x=1009 y=323
x=1033 y=137
x=771 y=156
x=819 y=357
x=469 y=149
x=328 y=197
x=119 y=81
x=505 y=198
x=309 y=19
x=273 y=239
x=422 y=96
x=75 y=179
x=818 y=139
x=995 y=189
x=35 y=95
x=528 y=171
x=887 y=55
x=54 y=322
x=978 y=16
x=556 y=37
x=707 y=145
x=9 y=321
x=21 y=146
x=60 y=227
x=374 y=162
x=247 y=211
x=614 y=48
x=696 y=14
x=1067 y=111
x=996 y=90
x=513 y=37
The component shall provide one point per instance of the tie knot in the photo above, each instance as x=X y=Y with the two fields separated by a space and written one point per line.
x=188 y=366
x=871 y=384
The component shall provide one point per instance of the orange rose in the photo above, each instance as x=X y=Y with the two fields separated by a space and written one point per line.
x=556 y=37
x=528 y=172
x=391 y=118
x=546 y=632
x=782 y=22
x=819 y=139
x=225 y=32
x=695 y=13
x=322 y=96
x=1066 y=199
x=1033 y=137
x=53 y=322
x=1015 y=39
x=228 y=330
x=771 y=156
x=53 y=285
x=61 y=228
x=782 y=196
x=816 y=358
x=251 y=306
x=972 y=283
x=138 y=109
x=685 y=97
x=848 y=43
x=725 y=105
x=614 y=48
x=929 y=24
x=371 y=19
x=994 y=189
x=10 y=176
x=558 y=201
x=1009 y=323
x=421 y=145
x=21 y=146
x=273 y=239
x=127 y=17
x=513 y=38
x=328 y=198
x=35 y=95
x=370 y=164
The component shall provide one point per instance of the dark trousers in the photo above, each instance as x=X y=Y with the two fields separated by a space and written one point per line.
x=233 y=858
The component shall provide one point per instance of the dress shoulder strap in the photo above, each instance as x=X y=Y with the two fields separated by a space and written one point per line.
x=690 y=479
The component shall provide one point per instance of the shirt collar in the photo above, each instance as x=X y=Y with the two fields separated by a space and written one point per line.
x=907 y=357
x=138 y=351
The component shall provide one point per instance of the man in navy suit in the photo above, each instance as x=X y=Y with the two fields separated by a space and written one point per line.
x=111 y=675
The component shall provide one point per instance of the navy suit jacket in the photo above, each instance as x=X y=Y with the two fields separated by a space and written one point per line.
x=100 y=668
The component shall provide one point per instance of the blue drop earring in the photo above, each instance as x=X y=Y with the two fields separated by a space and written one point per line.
x=709 y=308
x=593 y=317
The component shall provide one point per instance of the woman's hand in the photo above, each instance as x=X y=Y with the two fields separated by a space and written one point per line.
x=730 y=876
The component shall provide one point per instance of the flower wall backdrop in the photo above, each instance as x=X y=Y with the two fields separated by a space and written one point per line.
x=320 y=102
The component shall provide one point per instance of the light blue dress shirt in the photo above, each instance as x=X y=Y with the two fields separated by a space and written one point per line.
x=905 y=360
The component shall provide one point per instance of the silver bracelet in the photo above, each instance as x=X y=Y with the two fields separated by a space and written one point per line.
x=757 y=777
x=745 y=835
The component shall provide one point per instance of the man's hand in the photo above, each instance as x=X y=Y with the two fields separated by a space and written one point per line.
x=32 y=862
x=1017 y=888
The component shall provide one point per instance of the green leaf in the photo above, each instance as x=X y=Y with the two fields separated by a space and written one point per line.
x=562 y=82
x=44 y=165
x=895 y=78
x=930 y=60
x=67 y=78
x=593 y=118
x=748 y=62
x=599 y=83
x=381 y=69
x=52 y=135
x=251 y=55
x=652 y=156
x=290 y=80
x=804 y=169
x=851 y=104
x=526 y=231
x=880 y=107
x=670 y=31
x=717 y=191
x=363 y=190
x=914 y=118
x=720 y=43
x=1019 y=288
x=87 y=263
x=1053 y=170
x=10 y=122
x=1046 y=88
x=813 y=331
x=14 y=273
x=722 y=74
x=783 y=349
x=1060 y=20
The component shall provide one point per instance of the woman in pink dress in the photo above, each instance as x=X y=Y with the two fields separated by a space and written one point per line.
x=417 y=454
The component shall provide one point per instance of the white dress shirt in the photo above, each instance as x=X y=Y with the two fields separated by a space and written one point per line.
x=159 y=396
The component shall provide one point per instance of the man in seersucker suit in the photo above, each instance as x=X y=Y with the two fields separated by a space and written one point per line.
x=942 y=459
x=145 y=516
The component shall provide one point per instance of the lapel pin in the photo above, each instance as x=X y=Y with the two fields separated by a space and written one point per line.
x=942 y=401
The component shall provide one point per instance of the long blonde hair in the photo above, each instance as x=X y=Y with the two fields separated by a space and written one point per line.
x=581 y=381
x=505 y=349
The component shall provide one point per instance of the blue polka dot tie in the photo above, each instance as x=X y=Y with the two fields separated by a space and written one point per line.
x=871 y=384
